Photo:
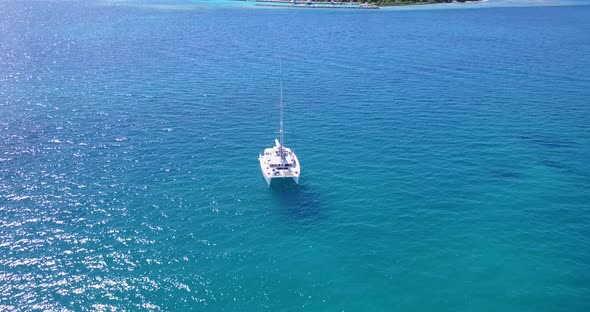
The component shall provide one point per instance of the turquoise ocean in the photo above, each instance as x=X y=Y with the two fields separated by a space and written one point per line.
x=445 y=157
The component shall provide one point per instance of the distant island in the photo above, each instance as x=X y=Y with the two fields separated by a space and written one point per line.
x=412 y=2
x=357 y=3
x=393 y=2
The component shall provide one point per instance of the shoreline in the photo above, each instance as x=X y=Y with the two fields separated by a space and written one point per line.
x=371 y=4
x=314 y=6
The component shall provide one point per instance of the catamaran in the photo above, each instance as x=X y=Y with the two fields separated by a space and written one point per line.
x=279 y=162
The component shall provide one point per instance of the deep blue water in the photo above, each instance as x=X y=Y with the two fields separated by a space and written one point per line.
x=444 y=153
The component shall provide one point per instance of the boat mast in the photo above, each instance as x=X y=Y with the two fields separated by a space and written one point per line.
x=281 y=104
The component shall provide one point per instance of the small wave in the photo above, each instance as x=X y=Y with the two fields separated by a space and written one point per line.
x=15 y=197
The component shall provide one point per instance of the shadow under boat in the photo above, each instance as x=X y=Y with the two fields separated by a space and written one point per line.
x=296 y=200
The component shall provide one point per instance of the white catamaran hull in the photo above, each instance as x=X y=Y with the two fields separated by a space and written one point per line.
x=269 y=174
x=273 y=166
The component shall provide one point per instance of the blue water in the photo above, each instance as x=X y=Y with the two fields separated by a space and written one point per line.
x=444 y=154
